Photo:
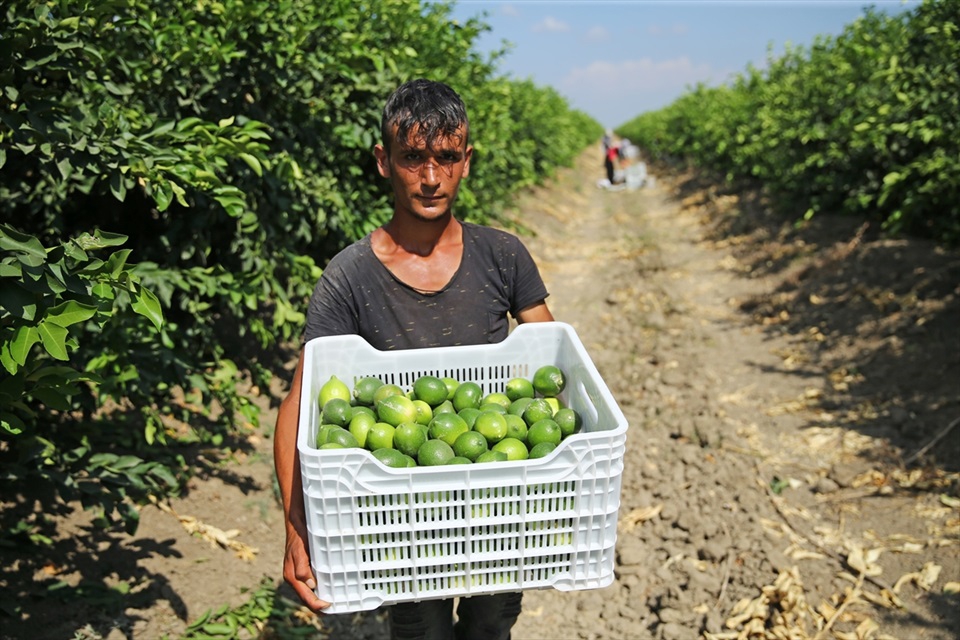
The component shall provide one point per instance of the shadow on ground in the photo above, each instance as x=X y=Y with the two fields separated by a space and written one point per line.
x=843 y=283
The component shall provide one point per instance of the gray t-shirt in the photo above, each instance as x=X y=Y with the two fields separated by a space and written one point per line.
x=358 y=295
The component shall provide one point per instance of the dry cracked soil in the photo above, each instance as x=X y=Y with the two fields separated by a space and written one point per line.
x=792 y=456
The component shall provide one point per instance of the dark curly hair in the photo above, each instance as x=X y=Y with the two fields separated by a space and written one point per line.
x=431 y=108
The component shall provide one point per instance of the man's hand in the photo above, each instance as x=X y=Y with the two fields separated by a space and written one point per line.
x=297 y=571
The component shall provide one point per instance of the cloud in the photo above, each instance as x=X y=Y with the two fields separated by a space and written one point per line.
x=615 y=91
x=551 y=24
x=597 y=34
x=641 y=74
x=509 y=10
x=657 y=30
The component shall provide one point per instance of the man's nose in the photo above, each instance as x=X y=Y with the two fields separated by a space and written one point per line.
x=430 y=172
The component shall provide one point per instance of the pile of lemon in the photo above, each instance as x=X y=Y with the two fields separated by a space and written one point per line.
x=444 y=421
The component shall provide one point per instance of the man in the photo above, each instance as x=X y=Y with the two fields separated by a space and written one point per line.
x=424 y=279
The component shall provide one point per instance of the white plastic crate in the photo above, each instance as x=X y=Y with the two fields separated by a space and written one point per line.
x=382 y=535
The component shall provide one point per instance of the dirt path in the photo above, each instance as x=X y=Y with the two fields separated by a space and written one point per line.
x=775 y=386
x=720 y=408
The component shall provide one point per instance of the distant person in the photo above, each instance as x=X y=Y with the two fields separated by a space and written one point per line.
x=607 y=140
x=611 y=153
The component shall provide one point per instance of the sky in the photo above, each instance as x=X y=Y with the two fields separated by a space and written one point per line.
x=616 y=60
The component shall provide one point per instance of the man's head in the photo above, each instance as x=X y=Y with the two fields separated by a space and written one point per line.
x=425 y=153
x=426 y=109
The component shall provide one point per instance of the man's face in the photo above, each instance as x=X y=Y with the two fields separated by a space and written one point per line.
x=425 y=180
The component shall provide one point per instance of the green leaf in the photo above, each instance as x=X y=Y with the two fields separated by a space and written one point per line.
x=117 y=261
x=13 y=240
x=147 y=305
x=123 y=90
x=118 y=186
x=253 y=163
x=69 y=313
x=23 y=339
x=11 y=423
x=54 y=338
x=125 y=462
x=17 y=301
x=99 y=240
x=6 y=359
x=65 y=167
x=57 y=398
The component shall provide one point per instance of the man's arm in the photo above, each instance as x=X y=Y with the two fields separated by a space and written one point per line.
x=296 y=558
x=538 y=312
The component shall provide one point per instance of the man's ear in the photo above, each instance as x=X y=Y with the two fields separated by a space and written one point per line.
x=383 y=161
x=466 y=165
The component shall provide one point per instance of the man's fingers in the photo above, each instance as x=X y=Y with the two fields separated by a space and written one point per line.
x=304 y=572
x=309 y=598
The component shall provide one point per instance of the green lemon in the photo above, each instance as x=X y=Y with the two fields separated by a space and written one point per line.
x=459 y=460
x=554 y=403
x=467 y=394
x=430 y=389
x=537 y=410
x=519 y=388
x=364 y=390
x=445 y=407
x=396 y=410
x=408 y=438
x=360 y=426
x=545 y=430
x=342 y=437
x=424 y=412
x=469 y=415
x=337 y=411
x=385 y=391
x=549 y=380
x=333 y=388
x=493 y=406
x=569 y=420
x=391 y=458
x=434 y=452
x=491 y=456
x=380 y=436
x=542 y=450
x=519 y=405
x=452 y=384
x=362 y=408
x=470 y=445
x=492 y=426
x=447 y=427
x=514 y=449
x=498 y=399
x=516 y=427
x=322 y=431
